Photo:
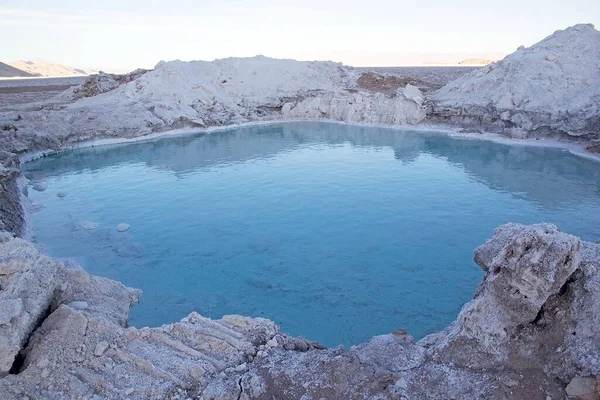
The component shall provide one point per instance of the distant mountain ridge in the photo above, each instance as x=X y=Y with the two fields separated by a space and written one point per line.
x=46 y=68
x=8 y=71
x=469 y=62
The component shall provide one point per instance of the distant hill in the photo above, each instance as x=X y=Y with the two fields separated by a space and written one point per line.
x=476 y=61
x=7 y=71
x=46 y=68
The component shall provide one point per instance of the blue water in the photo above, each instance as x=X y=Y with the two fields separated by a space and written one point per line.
x=335 y=232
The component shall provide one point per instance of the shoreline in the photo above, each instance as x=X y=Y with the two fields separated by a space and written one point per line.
x=575 y=148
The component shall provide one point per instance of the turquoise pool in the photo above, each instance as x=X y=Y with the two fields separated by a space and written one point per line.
x=335 y=232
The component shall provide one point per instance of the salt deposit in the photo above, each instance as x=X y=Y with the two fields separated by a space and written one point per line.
x=550 y=88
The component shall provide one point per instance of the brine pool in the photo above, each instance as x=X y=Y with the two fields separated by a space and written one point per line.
x=335 y=232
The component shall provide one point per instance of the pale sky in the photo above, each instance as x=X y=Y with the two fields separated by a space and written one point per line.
x=126 y=34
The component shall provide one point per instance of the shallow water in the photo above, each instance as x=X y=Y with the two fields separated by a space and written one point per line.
x=335 y=232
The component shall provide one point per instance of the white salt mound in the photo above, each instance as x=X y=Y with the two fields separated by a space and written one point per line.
x=554 y=83
x=122 y=227
x=224 y=90
x=238 y=90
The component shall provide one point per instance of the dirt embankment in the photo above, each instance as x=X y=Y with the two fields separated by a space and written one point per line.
x=389 y=84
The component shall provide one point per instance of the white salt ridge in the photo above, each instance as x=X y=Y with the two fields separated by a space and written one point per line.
x=554 y=83
x=239 y=90
x=231 y=87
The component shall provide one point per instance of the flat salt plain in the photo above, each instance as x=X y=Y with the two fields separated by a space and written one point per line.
x=15 y=93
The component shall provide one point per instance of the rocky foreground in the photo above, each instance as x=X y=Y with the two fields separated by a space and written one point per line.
x=531 y=330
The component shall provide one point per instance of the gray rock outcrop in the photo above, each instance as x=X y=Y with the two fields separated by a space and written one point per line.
x=12 y=217
x=403 y=108
x=101 y=83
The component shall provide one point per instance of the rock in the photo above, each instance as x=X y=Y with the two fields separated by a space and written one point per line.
x=523 y=266
x=594 y=147
x=413 y=93
x=40 y=186
x=10 y=308
x=12 y=217
x=100 y=348
x=43 y=362
x=122 y=227
x=103 y=82
x=79 y=305
x=389 y=84
x=105 y=297
x=27 y=290
x=510 y=383
x=88 y=225
x=5 y=236
x=583 y=389
x=153 y=366
x=8 y=127
x=13 y=264
x=61 y=194
x=240 y=368
x=374 y=108
x=400 y=332
x=289 y=346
